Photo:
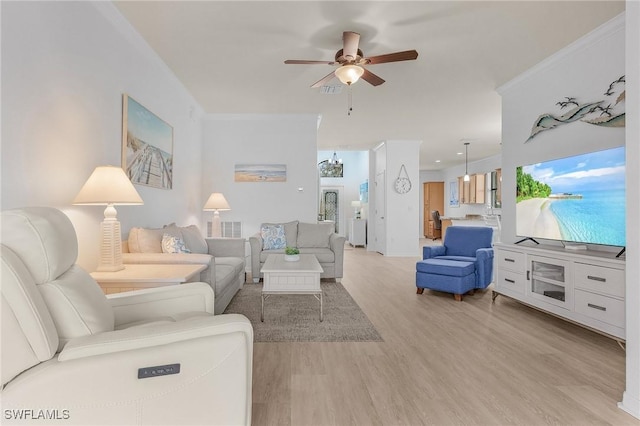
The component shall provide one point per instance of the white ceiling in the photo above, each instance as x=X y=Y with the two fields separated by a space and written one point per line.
x=230 y=56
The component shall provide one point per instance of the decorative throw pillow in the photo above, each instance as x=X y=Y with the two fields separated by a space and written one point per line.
x=172 y=229
x=145 y=240
x=314 y=235
x=171 y=244
x=273 y=237
x=194 y=240
x=290 y=231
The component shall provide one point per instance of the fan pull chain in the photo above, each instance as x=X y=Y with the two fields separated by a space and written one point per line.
x=350 y=102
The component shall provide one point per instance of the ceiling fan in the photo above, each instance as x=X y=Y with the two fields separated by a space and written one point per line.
x=350 y=61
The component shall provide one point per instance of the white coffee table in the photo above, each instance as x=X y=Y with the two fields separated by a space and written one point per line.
x=282 y=277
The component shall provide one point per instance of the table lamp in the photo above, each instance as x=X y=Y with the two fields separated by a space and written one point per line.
x=356 y=205
x=216 y=203
x=110 y=186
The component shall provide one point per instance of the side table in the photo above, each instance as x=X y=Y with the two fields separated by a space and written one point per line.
x=358 y=232
x=136 y=276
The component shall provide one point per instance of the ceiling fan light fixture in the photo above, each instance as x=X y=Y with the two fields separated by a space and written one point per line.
x=349 y=74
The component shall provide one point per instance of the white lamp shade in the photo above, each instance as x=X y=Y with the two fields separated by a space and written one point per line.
x=216 y=202
x=349 y=74
x=108 y=185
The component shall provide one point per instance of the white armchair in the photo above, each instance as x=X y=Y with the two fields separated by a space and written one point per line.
x=70 y=355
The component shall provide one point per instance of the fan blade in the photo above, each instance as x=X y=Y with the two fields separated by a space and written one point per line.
x=407 y=55
x=350 y=41
x=371 y=78
x=303 y=62
x=324 y=80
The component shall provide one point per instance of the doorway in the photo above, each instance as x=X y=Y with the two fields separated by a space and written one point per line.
x=332 y=206
x=380 y=203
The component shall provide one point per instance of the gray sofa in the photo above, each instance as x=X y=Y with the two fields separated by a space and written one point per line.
x=224 y=257
x=310 y=238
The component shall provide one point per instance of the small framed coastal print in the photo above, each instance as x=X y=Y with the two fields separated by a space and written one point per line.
x=260 y=173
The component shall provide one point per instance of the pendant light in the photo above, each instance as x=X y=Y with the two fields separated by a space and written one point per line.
x=334 y=159
x=466 y=162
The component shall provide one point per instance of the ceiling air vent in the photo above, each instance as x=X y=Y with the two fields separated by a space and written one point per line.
x=331 y=90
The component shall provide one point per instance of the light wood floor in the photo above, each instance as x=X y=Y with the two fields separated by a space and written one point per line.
x=442 y=363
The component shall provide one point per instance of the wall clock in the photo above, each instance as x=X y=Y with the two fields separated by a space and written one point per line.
x=403 y=183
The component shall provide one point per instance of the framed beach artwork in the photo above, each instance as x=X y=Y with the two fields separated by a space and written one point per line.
x=454 y=197
x=147 y=146
x=260 y=173
x=364 y=192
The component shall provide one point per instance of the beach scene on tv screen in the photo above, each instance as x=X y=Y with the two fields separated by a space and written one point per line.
x=576 y=199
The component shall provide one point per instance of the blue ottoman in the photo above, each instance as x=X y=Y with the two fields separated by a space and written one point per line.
x=450 y=276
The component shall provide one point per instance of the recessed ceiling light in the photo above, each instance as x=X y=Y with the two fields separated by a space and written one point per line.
x=459 y=153
x=437 y=161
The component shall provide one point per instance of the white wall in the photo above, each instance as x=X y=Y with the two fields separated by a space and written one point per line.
x=355 y=172
x=582 y=70
x=262 y=139
x=430 y=176
x=402 y=211
x=65 y=66
x=377 y=209
x=631 y=397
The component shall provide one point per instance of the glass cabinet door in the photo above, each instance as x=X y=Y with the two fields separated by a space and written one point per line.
x=548 y=280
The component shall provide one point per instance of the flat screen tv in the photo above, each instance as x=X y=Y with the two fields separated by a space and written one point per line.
x=577 y=199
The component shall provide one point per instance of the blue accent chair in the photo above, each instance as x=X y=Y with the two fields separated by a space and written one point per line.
x=464 y=263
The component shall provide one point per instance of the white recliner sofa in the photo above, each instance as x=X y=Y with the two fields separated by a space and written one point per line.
x=71 y=355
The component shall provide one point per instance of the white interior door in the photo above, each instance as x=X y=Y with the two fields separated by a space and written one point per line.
x=380 y=213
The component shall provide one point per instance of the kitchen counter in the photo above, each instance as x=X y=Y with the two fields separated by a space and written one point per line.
x=469 y=220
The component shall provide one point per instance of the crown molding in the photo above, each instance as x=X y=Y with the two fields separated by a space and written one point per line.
x=261 y=117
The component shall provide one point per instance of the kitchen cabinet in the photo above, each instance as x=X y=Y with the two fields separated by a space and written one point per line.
x=472 y=192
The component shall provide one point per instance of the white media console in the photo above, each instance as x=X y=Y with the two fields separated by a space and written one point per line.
x=586 y=287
